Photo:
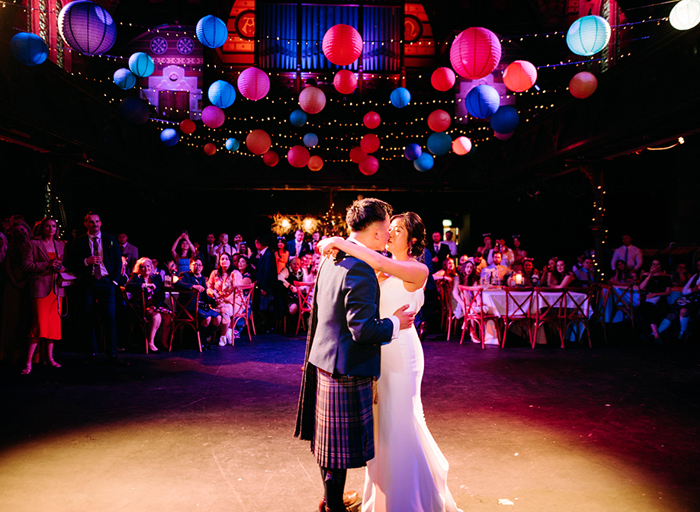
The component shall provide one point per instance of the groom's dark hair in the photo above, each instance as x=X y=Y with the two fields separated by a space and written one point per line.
x=364 y=212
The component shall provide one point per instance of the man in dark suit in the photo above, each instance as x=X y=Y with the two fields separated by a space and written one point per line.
x=343 y=355
x=265 y=280
x=130 y=251
x=297 y=246
x=439 y=252
x=96 y=258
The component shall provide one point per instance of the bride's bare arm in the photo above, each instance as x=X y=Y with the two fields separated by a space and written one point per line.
x=409 y=271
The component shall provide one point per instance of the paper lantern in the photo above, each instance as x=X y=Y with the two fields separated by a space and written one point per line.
x=232 y=144
x=298 y=156
x=135 y=110
x=400 y=97
x=369 y=166
x=342 y=44
x=29 y=49
x=124 y=79
x=462 y=145
x=588 y=35
x=505 y=120
x=213 y=116
x=583 y=84
x=371 y=120
x=253 y=83
x=413 y=151
x=258 y=142
x=169 y=137
x=312 y=100
x=315 y=163
x=211 y=31
x=424 y=162
x=222 y=94
x=298 y=118
x=439 y=144
x=209 y=149
x=685 y=14
x=271 y=158
x=345 y=81
x=503 y=136
x=439 y=120
x=370 y=143
x=87 y=27
x=357 y=154
x=141 y=64
x=187 y=126
x=482 y=101
x=443 y=79
x=475 y=53
x=520 y=75
x=310 y=140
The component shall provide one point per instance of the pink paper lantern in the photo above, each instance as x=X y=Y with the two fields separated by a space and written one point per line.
x=342 y=44
x=475 y=53
x=370 y=143
x=298 y=156
x=583 y=84
x=443 y=79
x=253 y=83
x=357 y=154
x=461 y=145
x=503 y=136
x=258 y=142
x=345 y=81
x=312 y=100
x=520 y=75
x=213 y=116
x=209 y=149
x=271 y=158
x=369 y=166
x=187 y=126
x=371 y=120
x=439 y=120
x=315 y=163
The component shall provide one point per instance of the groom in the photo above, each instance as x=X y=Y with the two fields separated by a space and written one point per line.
x=343 y=353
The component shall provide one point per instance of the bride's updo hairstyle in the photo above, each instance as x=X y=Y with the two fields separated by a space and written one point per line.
x=364 y=212
x=416 y=232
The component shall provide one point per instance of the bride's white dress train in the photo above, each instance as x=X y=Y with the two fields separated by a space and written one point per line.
x=408 y=472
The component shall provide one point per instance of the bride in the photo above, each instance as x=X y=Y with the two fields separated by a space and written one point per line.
x=408 y=472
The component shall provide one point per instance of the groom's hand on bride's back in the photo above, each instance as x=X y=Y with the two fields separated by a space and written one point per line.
x=405 y=317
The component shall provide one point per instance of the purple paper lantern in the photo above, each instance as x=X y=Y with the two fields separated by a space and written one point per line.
x=482 y=101
x=87 y=27
x=413 y=151
x=213 y=116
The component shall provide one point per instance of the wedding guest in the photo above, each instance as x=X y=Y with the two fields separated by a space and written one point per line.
x=657 y=286
x=182 y=252
x=495 y=273
x=129 y=250
x=466 y=276
x=584 y=274
x=281 y=254
x=438 y=251
x=287 y=277
x=240 y=246
x=210 y=253
x=451 y=244
x=479 y=262
x=631 y=255
x=147 y=285
x=220 y=286
x=266 y=279
x=530 y=275
x=548 y=269
x=193 y=280
x=242 y=276
x=486 y=248
x=519 y=254
x=448 y=270
x=686 y=306
x=561 y=277
x=297 y=246
x=680 y=275
x=507 y=255
x=623 y=276
x=223 y=247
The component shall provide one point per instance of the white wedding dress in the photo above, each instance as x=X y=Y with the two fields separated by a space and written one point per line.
x=408 y=472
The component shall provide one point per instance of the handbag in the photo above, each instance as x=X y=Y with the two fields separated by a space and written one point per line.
x=65 y=279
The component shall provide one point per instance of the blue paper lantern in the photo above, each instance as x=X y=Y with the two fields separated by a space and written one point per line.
x=439 y=143
x=29 y=48
x=141 y=64
x=424 y=162
x=87 y=27
x=413 y=151
x=400 y=97
x=124 y=78
x=135 y=110
x=505 y=120
x=298 y=118
x=310 y=140
x=222 y=94
x=232 y=144
x=482 y=101
x=588 y=35
x=169 y=137
x=211 y=31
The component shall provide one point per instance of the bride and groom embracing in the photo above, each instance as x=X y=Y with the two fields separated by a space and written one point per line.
x=355 y=336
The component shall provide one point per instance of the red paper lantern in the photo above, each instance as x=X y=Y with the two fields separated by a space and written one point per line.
x=371 y=120
x=213 y=116
x=475 y=53
x=443 y=79
x=209 y=149
x=370 y=143
x=357 y=154
x=315 y=163
x=520 y=75
x=258 y=142
x=461 y=145
x=583 y=84
x=342 y=44
x=270 y=158
x=253 y=83
x=369 y=166
x=298 y=156
x=439 y=120
x=345 y=81
x=312 y=100
x=187 y=126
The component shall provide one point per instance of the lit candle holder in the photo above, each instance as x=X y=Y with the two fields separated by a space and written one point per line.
x=518 y=279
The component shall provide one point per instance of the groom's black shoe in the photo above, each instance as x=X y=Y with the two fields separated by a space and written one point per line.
x=350 y=500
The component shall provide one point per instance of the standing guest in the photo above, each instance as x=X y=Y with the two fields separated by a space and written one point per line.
x=210 y=253
x=631 y=255
x=584 y=274
x=96 y=260
x=182 y=252
x=495 y=273
x=240 y=246
x=43 y=261
x=438 y=252
x=266 y=280
x=146 y=284
x=623 y=276
x=220 y=288
x=193 y=280
x=281 y=259
x=519 y=254
x=486 y=248
x=680 y=275
x=657 y=285
x=281 y=254
x=297 y=246
x=451 y=244
x=223 y=247
x=129 y=250
x=561 y=277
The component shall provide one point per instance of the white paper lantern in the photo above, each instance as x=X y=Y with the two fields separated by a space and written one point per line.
x=685 y=15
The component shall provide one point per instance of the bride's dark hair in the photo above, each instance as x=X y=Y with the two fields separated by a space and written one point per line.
x=415 y=230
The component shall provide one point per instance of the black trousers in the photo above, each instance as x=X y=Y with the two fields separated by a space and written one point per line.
x=100 y=294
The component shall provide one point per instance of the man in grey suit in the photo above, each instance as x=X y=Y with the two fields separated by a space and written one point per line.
x=130 y=251
x=343 y=355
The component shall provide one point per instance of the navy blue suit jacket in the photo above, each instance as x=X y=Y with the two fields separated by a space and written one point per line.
x=112 y=257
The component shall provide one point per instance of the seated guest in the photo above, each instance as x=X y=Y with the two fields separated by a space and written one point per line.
x=507 y=255
x=182 y=251
x=519 y=254
x=657 y=286
x=561 y=277
x=243 y=274
x=466 y=276
x=623 y=276
x=584 y=274
x=479 y=262
x=548 y=269
x=680 y=275
x=144 y=280
x=686 y=306
x=193 y=280
x=448 y=270
x=287 y=277
x=462 y=260
x=496 y=273
x=220 y=288
x=281 y=254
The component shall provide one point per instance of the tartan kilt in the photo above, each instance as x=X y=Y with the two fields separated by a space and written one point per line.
x=344 y=431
